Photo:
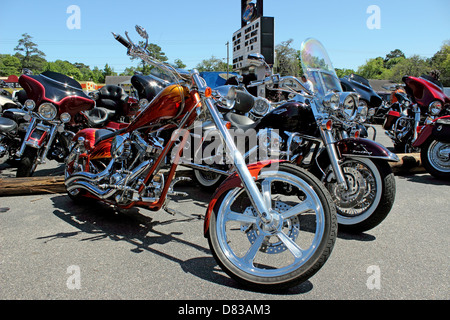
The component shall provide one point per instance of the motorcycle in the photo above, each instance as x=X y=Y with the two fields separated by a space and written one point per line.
x=316 y=131
x=424 y=101
x=253 y=220
x=367 y=96
x=56 y=108
x=434 y=143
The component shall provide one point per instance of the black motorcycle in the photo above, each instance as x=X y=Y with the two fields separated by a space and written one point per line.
x=315 y=130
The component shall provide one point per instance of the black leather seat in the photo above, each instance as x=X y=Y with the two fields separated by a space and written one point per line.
x=113 y=98
x=98 y=116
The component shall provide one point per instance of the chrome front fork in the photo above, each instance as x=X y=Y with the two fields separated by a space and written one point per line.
x=248 y=182
x=52 y=134
x=330 y=145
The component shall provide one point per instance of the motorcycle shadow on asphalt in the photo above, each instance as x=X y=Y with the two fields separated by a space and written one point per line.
x=98 y=221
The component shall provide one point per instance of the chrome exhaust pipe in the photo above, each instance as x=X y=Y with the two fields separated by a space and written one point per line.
x=92 y=189
x=90 y=177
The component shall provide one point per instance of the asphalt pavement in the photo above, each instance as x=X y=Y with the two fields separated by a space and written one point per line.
x=51 y=248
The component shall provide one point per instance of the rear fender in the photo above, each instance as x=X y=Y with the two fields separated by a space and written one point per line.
x=364 y=148
x=232 y=182
x=439 y=130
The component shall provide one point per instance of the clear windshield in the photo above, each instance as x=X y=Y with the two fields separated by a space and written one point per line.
x=318 y=68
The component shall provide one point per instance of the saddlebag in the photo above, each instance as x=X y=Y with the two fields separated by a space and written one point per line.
x=441 y=130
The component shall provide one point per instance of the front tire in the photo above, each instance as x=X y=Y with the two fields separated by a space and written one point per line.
x=434 y=160
x=28 y=163
x=280 y=257
x=369 y=197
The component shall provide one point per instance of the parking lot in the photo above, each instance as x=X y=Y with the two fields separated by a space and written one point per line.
x=51 y=248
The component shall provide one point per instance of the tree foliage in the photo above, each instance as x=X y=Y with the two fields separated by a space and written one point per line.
x=213 y=64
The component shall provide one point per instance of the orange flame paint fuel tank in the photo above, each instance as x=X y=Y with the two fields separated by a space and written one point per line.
x=167 y=106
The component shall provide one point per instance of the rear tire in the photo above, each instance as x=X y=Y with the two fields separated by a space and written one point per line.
x=437 y=164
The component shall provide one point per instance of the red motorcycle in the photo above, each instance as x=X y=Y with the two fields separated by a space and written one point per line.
x=425 y=101
x=434 y=143
x=269 y=225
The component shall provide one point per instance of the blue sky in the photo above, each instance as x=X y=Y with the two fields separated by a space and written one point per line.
x=198 y=29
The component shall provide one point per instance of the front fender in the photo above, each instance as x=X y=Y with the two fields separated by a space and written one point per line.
x=233 y=181
x=364 y=148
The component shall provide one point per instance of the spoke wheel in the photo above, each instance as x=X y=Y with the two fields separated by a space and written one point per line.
x=285 y=252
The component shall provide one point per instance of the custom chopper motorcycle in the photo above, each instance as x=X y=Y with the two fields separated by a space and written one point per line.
x=269 y=225
x=315 y=131
x=423 y=102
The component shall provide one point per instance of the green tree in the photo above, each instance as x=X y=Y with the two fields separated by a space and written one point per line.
x=213 y=64
x=9 y=65
x=287 y=62
x=179 y=64
x=393 y=57
x=343 y=72
x=64 y=67
x=373 y=69
x=441 y=62
x=155 y=52
x=29 y=55
x=413 y=66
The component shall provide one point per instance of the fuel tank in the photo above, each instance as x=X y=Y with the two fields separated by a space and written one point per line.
x=291 y=116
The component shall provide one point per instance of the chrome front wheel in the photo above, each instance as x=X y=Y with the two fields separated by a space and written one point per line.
x=289 y=249
x=369 y=196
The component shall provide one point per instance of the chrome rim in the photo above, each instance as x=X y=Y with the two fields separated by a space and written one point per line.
x=363 y=195
x=439 y=156
x=284 y=246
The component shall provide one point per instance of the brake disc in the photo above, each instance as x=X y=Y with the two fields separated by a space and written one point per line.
x=356 y=188
x=272 y=244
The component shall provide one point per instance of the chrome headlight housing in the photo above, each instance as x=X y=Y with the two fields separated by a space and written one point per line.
x=331 y=100
x=362 y=113
x=261 y=106
x=349 y=105
x=435 y=108
x=29 y=104
x=47 y=111
x=65 y=117
x=227 y=96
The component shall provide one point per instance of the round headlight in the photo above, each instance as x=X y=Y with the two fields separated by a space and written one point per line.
x=435 y=108
x=227 y=95
x=261 y=106
x=47 y=111
x=349 y=105
x=65 y=117
x=362 y=113
x=331 y=101
x=29 y=104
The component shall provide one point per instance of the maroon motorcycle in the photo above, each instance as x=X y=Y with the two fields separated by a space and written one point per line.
x=56 y=108
x=425 y=101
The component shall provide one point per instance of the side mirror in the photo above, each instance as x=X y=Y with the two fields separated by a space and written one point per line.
x=256 y=59
x=142 y=32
